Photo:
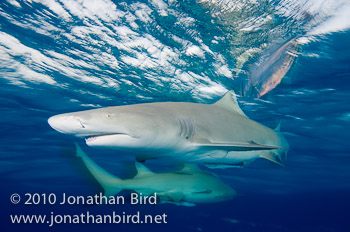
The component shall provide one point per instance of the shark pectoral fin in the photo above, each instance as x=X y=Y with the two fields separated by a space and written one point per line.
x=273 y=158
x=175 y=195
x=142 y=170
x=237 y=146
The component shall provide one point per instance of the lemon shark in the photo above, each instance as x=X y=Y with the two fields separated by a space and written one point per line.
x=188 y=185
x=218 y=134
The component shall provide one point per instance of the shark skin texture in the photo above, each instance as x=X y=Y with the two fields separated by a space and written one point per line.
x=187 y=187
x=218 y=135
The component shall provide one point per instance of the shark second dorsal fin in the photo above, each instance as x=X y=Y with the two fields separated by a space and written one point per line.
x=142 y=170
x=229 y=101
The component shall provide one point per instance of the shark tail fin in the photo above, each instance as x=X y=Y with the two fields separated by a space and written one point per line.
x=111 y=184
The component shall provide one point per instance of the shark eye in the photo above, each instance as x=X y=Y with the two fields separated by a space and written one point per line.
x=108 y=115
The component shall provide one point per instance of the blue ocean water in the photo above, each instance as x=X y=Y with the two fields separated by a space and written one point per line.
x=61 y=56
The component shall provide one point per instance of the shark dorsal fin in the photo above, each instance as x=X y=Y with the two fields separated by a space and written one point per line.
x=190 y=168
x=229 y=101
x=142 y=170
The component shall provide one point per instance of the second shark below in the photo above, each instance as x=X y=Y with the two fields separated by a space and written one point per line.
x=187 y=186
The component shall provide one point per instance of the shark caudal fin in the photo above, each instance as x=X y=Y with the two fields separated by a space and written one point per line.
x=111 y=184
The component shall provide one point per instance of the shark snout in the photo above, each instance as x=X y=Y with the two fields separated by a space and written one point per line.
x=67 y=124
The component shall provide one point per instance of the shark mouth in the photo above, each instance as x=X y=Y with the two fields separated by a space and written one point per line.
x=102 y=137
